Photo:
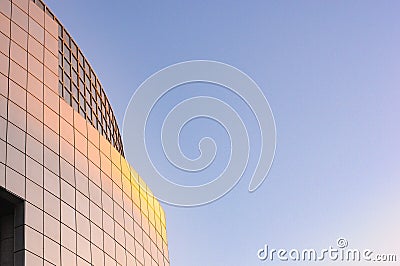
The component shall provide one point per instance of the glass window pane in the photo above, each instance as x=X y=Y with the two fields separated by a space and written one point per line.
x=67 y=67
x=60 y=89
x=66 y=37
x=67 y=81
x=81 y=85
x=60 y=45
x=74 y=62
x=75 y=105
x=75 y=91
x=67 y=96
x=67 y=52
x=74 y=77
x=60 y=74
x=81 y=73
x=60 y=31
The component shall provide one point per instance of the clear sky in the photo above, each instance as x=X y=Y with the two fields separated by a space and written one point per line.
x=331 y=73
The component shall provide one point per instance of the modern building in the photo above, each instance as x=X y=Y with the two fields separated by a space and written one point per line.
x=67 y=194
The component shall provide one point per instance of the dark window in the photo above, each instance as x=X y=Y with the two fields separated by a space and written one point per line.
x=11 y=229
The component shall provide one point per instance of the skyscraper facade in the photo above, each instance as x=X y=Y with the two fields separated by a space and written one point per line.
x=67 y=194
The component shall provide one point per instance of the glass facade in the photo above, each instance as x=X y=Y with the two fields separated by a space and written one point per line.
x=61 y=153
x=81 y=89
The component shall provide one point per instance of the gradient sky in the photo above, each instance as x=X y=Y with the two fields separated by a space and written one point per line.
x=331 y=73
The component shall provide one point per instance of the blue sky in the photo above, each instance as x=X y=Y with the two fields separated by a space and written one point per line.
x=331 y=73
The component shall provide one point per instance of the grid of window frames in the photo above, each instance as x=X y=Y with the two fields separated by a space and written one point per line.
x=80 y=88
